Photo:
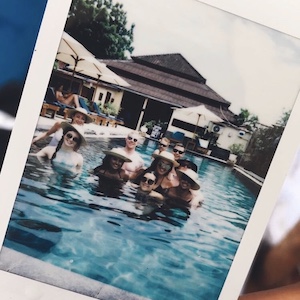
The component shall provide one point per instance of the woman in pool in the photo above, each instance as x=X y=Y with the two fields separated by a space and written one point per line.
x=65 y=155
x=161 y=166
x=182 y=194
x=148 y=200
x=147 y=183
x=78 y=116
x=111 y=167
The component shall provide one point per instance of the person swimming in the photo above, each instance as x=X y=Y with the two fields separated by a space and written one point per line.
x=111 y=167
x=79 y=116
x=65 y=155
x=161 y=167
x=181 y=195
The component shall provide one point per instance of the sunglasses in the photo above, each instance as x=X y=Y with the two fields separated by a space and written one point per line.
x=164 y=165
x=147 y=180
x=130 y=138
x=70 y=136
x=176 y=150
x=163 y=145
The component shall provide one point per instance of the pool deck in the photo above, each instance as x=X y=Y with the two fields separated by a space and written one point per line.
x=32 y=268
x=91 y=130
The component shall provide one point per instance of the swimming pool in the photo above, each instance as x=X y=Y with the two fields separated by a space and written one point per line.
x=158 y=253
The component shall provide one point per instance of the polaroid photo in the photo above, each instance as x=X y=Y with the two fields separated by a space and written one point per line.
x=147 y=150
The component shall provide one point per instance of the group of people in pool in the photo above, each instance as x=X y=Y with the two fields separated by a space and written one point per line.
x=169 y=176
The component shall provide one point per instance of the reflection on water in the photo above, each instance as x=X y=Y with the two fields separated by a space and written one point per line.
x=119 y=237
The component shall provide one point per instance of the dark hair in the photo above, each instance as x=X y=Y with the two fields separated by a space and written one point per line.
x=106 y=161
x=151 y=169
x=76 y=147
x=190 y=164
x=144 y=173
x=179 y=145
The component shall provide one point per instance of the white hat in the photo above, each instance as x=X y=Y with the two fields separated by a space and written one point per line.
x=167 y=156
x=80 y=110
x=117 y=152
x=74 y=127
x=192 y=175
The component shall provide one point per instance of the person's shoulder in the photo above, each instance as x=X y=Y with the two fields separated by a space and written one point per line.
x=155 y=152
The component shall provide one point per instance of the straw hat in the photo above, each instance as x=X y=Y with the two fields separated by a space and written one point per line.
x=192 y=175
x=117 y=152
x=81 y=110
x=167 y=156
x=193 y=166
x=74 y=127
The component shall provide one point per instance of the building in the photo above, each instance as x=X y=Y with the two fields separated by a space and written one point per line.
x=160 y=83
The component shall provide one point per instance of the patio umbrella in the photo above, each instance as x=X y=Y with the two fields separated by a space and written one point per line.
x=80 y=60
x=201 y=111
x=92 y=67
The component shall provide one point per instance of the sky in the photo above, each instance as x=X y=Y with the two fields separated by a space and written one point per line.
x=250 y=65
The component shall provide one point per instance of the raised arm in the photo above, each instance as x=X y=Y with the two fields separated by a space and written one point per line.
x=44 y=135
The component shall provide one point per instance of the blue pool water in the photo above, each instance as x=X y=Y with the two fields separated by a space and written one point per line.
x=158 y=253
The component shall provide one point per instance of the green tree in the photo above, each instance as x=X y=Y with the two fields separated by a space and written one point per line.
x=262 y=147
x=245 y=118
x=101 y=26
x=284 y=118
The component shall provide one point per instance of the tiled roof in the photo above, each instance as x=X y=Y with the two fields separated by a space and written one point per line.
x=170 y=63
x=169 y=78
x=174 y=99
x=156 y=78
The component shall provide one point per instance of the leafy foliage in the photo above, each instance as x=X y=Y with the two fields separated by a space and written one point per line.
x=246 y=119
x=262 y=147
x=236 y=149
x=101 y=26
x=110 y=109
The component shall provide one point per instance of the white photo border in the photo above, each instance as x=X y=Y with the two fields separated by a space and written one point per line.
x=38 y=77
x=30 y=105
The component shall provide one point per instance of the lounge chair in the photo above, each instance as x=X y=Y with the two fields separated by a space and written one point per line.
x=177 y=137
x=52 y=106
x=99 y=117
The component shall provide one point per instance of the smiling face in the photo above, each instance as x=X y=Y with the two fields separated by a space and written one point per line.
x=72 y=139
x=132 y=140
x=147 y=182
x=163 y=167
x=78 y=118
x=185 y=182
x=116 y=163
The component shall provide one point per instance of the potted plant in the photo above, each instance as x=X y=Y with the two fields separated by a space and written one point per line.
x=110 y=110
x=236 y=151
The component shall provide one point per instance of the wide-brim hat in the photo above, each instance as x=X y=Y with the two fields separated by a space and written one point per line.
x=167 y=156
x=80 y=110
x=193 y=166
x=192 y=175
x=117 y=152
x=74 y=127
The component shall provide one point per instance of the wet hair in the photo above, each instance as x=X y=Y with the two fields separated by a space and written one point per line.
x=76 y=147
